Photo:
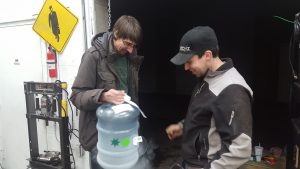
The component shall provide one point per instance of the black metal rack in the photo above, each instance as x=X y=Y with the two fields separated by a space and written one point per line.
x=32 y=90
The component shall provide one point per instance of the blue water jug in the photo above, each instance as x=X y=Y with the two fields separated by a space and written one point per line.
x=117 y=131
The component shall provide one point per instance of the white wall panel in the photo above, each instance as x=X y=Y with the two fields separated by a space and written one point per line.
x=20 y=60
x=14 y=10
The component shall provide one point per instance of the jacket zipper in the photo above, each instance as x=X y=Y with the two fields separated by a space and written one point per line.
x=231 y=117
x=199 y=90
x=200 y=137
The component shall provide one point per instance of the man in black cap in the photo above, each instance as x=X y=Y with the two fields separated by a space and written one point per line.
x=217 y=130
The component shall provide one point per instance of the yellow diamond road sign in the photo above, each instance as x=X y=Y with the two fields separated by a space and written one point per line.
x=55 y=24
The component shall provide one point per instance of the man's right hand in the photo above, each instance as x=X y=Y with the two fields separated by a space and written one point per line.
x=113 y=96
x=174 y=130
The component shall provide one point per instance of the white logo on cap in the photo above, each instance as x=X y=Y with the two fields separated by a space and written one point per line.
x=185 y=48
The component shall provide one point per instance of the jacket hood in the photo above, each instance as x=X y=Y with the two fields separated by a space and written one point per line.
x=102 y=40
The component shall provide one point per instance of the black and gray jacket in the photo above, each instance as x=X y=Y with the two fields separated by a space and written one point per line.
x=218 y=126
x=95 y=75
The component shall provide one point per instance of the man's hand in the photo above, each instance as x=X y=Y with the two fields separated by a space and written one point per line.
x=174 y=130
x=113 y=96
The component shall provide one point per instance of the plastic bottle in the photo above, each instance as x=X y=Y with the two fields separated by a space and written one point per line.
x=117 y=129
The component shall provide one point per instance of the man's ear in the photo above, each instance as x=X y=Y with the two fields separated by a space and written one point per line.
x=115 y=34
x=208 y=55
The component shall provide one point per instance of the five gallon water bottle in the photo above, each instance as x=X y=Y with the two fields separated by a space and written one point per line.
x=117 y=135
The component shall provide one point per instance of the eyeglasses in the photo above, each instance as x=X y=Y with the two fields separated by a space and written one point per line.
x=129 y=44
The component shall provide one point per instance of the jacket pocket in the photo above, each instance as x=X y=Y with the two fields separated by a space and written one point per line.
x=107 y=80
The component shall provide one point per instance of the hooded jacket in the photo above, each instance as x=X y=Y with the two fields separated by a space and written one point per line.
x=97 y=74
x=218 y=125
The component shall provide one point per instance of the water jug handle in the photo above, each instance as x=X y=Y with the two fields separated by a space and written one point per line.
x=127 y=99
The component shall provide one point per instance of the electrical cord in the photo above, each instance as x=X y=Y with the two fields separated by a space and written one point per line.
x=72 y=153
x=292 y=42
x=71 y=132
x=70 y=107
x=70 y=126
x=70 y=140
x=291 y=52
x=58 y=82
x=281 y=18
x=70 y=129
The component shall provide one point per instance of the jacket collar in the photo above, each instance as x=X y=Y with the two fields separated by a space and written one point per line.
x=228 y=64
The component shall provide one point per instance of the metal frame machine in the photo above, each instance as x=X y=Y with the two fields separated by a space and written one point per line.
x=46 y=101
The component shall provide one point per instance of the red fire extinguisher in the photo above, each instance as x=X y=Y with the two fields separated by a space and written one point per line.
x=51 y=62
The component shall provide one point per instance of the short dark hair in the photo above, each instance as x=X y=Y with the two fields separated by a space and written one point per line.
x=128 y=27
x=215 y=52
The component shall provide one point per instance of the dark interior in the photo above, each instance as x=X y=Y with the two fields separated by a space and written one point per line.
x=248 y=32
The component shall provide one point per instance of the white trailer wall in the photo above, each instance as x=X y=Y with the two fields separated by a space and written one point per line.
x=17 y=66
x=23 y=58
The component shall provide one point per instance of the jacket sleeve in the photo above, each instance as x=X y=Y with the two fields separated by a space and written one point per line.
x=85 y=96
x=233 y=118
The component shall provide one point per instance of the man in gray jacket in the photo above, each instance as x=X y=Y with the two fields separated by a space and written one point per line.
x=217 y=130
x=108 y=71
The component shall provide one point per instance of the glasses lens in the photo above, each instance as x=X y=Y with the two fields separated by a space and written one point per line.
x=130 y=44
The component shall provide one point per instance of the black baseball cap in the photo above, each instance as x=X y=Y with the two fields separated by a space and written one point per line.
x=195 y=41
